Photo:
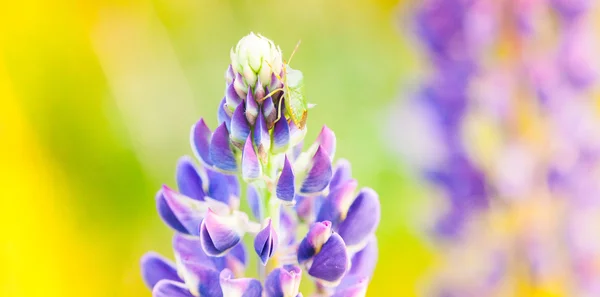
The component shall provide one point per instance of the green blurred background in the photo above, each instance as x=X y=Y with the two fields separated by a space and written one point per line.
x=97 y=100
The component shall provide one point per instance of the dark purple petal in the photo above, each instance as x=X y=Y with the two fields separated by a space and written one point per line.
x=362 y=219
x=326 y=140
x=275 y=82
x=156 y=267
x=239 y=287
x=285 y=184
x=188 y=211
x=265 y=242
x=319 y=174
x=331 y=263
x=335 y=206
x=251 y=107
x=169 y=288
x=281 y=136
x=167 y=215
x=254 y=201
x=231 y=97
x=283 y=281
x=221 y=154
x=234 y=260
x=317 y=235
x=262 y=139
x=341 y=173
x=240 y=129
x=200 y=140
x=269 y=112
x=201 y=279
x=189 y=181
x=364 y=262
x=305 y=251
x=251 y=167
x=224 y=114
x=219 y=234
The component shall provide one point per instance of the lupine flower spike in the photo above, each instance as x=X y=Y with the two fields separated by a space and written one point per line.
x=258 y=140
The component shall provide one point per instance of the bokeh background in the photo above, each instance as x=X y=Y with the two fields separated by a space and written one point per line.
x=97 y=98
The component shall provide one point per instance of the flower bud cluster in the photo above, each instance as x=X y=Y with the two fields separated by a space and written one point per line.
x=257 y=140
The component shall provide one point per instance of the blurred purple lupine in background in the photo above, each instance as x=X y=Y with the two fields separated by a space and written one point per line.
x=306 y=212
x=506 y=124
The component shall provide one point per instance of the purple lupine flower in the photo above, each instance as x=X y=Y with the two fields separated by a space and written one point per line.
x=259 y=137
x=506 y=127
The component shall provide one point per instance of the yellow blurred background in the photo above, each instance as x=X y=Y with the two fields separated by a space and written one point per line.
x=97 y=100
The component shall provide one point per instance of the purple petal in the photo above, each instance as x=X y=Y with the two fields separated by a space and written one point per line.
x=200 y=140
x=240 y=85
x=285 y=184
x=232 y=98
x=169 y=288
x=281 y=136
x=219 y=234
x=229 y=75
x=326 y=140
x=262 y=140
x=254 y=201
x=341 y=173
x=156 y=267
x=265 y=242
x=188 y=249
x=222 y=187
x=356 y=287
x=335 y=206
x=188 y=211
x=331 y=263
x=362 y=220
x=221 y=154
x=251 y=167
x=283 y=282
x=167 y=215
x=240 y=287
x=224 y=114
x=259 y=91
x=364 y=262
x=319 y=174
x=306 y=207
x=251 y=107
x=202 y=280
x=240 y=129
x=317 y=235
x=189 y=181
x=269 y=112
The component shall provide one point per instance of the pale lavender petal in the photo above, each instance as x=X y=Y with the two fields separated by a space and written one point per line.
x=319 y=174
x=265 y=242
x=259 y=91
x=201 y=280
x=156 y=267
x=240 y=129
x=240 y=86
x=221 y=154
x=269 y=112
x=285 y=184
x=327 y=141
x=251 y=167
x=262 y=139
x=283 y=282
x=222 y=187
x=335 y=207
x=239 y=287
x=229 y=75
x=188 y=211
x=224 y=114
x=189 y=181
x=331 y=263
x=281 y=136
x=219 y=234
x=364 y=262
x=341 y=173
x=254 y=201
x=362 y=219
x=188 y=249
x=232 y=98
x=356 y=287
x=200 y=140
x=167 y=215
x=251 y=107
x=169 y=288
